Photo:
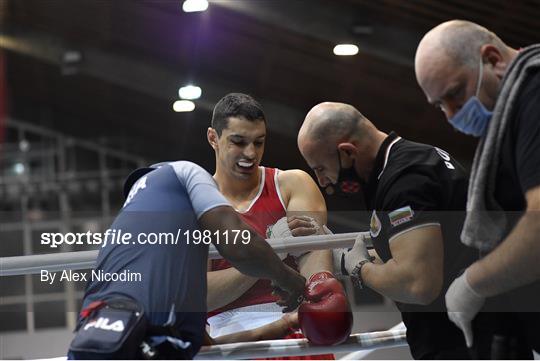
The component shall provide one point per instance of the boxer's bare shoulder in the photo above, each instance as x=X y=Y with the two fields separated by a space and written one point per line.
x=299 y=191
x=291 y=178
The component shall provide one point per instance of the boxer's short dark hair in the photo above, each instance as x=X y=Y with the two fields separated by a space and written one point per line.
x=236 y=105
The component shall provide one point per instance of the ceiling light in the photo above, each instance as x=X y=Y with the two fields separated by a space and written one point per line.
x=24 y=145
x=345 y=49
x=180 y=106
x=189 y=92
x=191 y=6
x=71 y=57
x=18 y=168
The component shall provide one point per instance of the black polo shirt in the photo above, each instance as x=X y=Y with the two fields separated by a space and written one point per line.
x=414 y=185
x=519 y=172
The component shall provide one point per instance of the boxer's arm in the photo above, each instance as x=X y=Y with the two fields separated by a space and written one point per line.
x=254 y=256
x=225 y=286
x=415 y=272
x=315 y=261
x=514 y=263
x=302 y=197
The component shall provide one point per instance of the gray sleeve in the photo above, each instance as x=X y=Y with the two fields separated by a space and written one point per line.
x=200 y=186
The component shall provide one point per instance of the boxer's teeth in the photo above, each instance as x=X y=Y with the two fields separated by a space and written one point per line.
x=245 y=164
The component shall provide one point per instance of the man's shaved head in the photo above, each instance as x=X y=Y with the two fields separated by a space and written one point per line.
x=447 y=64
x=330 y=123
x=459 y=40
x=337 y=135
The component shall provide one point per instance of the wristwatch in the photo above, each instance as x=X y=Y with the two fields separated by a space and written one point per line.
x=356 y=274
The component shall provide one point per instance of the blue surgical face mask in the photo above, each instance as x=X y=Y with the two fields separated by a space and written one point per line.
x=473 y=118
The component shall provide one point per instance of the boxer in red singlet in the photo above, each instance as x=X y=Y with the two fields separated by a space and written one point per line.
x=262 y=196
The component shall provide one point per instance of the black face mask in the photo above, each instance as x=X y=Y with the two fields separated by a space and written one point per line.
x=348 y=182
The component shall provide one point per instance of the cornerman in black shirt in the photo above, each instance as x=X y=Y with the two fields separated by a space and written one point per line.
x=491 y=91
x=417 y=194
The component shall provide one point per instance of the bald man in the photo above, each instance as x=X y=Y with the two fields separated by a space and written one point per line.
x=489 y=90
x=407 y=186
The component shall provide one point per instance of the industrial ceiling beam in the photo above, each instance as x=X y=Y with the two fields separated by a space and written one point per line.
x=333 y=22
x=146 y=77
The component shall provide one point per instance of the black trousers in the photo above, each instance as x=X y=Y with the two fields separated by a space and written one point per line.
x=502 y=335
x=497 y=335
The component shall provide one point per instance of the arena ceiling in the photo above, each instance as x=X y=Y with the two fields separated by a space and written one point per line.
x=135 y=54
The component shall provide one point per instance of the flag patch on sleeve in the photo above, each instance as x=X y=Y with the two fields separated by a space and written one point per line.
x=400 y=216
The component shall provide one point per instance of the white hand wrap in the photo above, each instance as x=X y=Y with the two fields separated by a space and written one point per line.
x=280 y=229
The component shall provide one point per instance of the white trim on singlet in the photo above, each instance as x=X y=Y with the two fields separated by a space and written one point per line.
x=276 y=184
x=387 y=154
x=256 y=198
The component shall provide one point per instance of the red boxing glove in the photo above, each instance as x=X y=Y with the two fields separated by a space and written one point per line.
x=325 y=317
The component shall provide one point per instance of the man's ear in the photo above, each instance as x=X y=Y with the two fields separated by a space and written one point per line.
x=212 y=137
x=494 y=57
x=348 y=149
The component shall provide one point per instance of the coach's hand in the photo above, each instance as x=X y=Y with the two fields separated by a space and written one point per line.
x=290 y=289
x=463 y=304
x=303 y=226
x=355 y=255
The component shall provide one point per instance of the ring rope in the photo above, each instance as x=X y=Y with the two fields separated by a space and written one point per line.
x=55 y=262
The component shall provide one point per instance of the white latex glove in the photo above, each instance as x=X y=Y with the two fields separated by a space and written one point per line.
x=462 y=304
x=356 y=254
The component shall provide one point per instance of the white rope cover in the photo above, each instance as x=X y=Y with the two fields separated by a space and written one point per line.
x=364 y=354
x=55 y=262
x=301 y=347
